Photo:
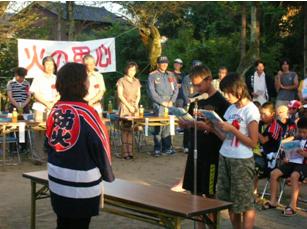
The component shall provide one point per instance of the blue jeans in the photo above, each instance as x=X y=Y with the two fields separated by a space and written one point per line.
x=162 y=138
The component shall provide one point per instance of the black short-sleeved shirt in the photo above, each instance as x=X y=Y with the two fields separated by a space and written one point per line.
x=289 y=128
x=208 y=146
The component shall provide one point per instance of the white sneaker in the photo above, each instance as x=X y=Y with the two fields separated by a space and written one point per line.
x=156 y=153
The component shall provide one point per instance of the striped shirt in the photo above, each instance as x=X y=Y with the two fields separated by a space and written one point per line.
x=20 y=91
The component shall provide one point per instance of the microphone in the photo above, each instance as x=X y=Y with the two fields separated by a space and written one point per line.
x=198 y=98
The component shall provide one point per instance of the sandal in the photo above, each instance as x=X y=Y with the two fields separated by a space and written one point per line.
x=289 y=211
x=268 y=205
x=126 y=156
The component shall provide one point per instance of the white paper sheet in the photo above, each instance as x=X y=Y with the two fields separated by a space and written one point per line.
x=22 y=130
x=172 y=124
x=146 y=126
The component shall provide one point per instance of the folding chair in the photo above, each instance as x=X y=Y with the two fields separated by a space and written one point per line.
x=299 y=200
x=282 y=181
x=12 y=139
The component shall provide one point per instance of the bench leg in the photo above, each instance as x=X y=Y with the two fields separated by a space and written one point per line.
x=218 y=220
x=177 y=223
x=33 y=204
x=212 y=220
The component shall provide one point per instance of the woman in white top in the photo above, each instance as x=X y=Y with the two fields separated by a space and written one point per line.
x=46 y=95
x=236 y=171
x=97 y=87
x=43 y=88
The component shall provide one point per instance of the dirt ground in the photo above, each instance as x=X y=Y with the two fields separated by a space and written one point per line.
x=164 y=172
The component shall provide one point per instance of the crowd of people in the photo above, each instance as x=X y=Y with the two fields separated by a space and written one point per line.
x=245 y=146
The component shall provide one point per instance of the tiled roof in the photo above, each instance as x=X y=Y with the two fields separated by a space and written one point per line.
x=83 y=13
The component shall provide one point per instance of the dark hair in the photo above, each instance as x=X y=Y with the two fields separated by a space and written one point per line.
x=268 y=105
x=283 y=60
x=130 y=65
x=70 y=82
x=200 y=71
x=223 y=67
x=49 y=58
x=257 y=104
x=22 y=72
x=232 y=83
x=302 y=123
x=259 y=62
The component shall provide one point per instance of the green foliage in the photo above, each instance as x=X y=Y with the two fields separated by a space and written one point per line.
x=208 y=31
x=184 y=47
x=8 y=60
x=128 y=48
x=214 y=53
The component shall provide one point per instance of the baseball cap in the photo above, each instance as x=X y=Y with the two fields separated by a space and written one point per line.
x=196 y=63
x=294 y=104
x=162 y=59
x=178 y=61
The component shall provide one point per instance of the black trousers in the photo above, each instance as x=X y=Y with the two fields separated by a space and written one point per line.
x=73 y=223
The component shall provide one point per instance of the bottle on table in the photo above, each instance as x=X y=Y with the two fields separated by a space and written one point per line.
x=165 y=112
x=141 y=111
x=15 y=115
x=20 y=112
x=110 y=107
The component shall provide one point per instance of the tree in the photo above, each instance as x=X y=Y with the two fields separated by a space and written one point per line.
x=243 y=32
x=145 y=16
x=253 y=53
x=305 y=38
x=12 y=23
x=70 y=19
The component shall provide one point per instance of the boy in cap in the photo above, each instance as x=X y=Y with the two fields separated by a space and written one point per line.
x=163 y=90
x=293 y=110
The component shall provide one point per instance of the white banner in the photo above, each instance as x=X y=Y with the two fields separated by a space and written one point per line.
x=32 y=52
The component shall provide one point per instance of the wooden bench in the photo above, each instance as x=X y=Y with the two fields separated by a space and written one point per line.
x=146 y=203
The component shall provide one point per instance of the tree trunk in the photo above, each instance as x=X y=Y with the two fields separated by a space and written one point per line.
x=70 y=19
x=253 y=53
x=305 y=39
x=59 y=21
x=243 y=32
x=255 y=30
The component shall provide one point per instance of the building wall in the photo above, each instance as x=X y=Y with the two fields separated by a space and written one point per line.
x=57 y=29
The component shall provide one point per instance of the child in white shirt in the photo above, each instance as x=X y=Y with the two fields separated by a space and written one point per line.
x=236 y=163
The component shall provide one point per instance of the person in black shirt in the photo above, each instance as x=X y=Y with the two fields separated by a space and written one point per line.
x=208 y=144
x=270 y=133
x=178 y=64
x=207 y=163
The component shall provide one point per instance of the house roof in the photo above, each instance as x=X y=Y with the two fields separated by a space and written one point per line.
x=83 y=13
